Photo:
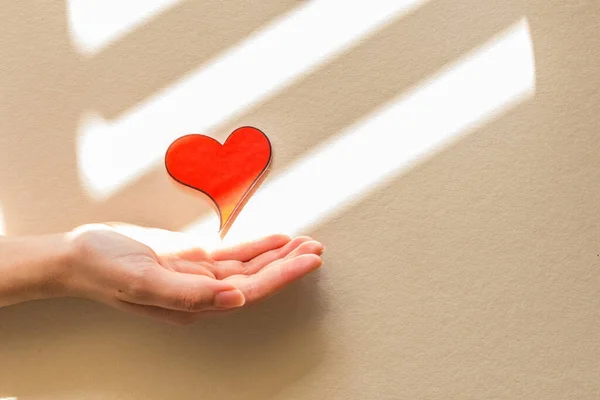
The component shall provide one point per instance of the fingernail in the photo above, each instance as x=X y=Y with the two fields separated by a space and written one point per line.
x=229 y=299
x=319 y=249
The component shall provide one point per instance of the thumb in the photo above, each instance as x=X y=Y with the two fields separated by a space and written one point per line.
x=184 y=292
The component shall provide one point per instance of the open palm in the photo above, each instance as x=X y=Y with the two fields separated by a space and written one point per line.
x=114 y=268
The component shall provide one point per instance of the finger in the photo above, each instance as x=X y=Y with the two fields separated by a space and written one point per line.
x=223 y=269
x=183 y=292
x=269 y=281
x=247 y=251
x=259 y=262
x=310 y=247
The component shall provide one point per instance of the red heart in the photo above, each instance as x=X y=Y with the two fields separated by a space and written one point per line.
x=226 y=173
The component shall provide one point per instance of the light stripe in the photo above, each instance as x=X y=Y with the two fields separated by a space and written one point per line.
x=347 y=167
x=114 y=154
x=94 y=24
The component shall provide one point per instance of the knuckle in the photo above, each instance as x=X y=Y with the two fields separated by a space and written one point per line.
x=250 y=294
x=246 y=267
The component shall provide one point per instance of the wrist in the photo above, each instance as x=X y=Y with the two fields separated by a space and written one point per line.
x=33 y=267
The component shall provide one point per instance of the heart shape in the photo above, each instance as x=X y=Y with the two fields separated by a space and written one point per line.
x=224 y=172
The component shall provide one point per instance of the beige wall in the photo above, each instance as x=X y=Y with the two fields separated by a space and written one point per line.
x=473 y=275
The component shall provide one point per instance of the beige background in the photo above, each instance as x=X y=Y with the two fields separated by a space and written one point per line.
x=474 y=275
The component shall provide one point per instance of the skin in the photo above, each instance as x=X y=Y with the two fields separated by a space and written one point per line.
x=105 y=263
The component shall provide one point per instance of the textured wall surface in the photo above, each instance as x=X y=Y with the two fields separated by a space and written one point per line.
x=473 y=274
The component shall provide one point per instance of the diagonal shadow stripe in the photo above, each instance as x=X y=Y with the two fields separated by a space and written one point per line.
x=133 y=68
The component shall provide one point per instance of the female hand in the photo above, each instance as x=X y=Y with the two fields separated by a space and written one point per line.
x=112 y=268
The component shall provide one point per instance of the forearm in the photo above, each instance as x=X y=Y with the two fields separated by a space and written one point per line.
x=31 y=267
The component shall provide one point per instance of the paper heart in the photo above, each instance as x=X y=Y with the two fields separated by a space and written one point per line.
x=224 y=172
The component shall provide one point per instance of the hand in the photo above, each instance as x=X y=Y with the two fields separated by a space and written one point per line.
x=110 y=267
